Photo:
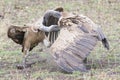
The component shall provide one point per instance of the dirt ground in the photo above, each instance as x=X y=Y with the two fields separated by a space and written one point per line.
x=102 y=64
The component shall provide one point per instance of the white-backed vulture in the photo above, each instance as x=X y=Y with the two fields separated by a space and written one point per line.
x=78 y=37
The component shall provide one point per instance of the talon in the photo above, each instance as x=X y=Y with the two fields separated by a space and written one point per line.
x=21 y=66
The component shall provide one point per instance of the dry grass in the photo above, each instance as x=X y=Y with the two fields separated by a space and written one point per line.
x=104 y=64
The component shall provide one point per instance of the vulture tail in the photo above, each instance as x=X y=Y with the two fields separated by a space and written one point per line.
x=103 y=38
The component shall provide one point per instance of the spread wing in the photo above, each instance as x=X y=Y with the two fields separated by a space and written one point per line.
x=76 y=40
x=16 y=33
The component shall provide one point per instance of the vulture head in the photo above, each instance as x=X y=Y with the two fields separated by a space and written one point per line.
x=16 y=33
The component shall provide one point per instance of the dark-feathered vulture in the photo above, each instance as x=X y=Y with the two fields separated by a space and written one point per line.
x=25 y=37
x=29 y=36
x=78 y=36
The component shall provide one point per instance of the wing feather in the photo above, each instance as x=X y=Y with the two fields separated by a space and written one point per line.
x=72 y=49
x=77 y=38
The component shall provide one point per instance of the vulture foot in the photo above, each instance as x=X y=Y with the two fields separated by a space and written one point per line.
x=23 y=66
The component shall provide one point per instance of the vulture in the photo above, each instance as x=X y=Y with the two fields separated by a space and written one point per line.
x=31 y=35
x=76 y=39
x=28 y=38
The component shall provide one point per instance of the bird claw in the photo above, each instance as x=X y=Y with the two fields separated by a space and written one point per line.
x=23 y=66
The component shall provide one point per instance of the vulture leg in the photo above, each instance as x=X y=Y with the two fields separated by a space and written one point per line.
x=24 y=64
x=26 y=54
x=25 y=50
